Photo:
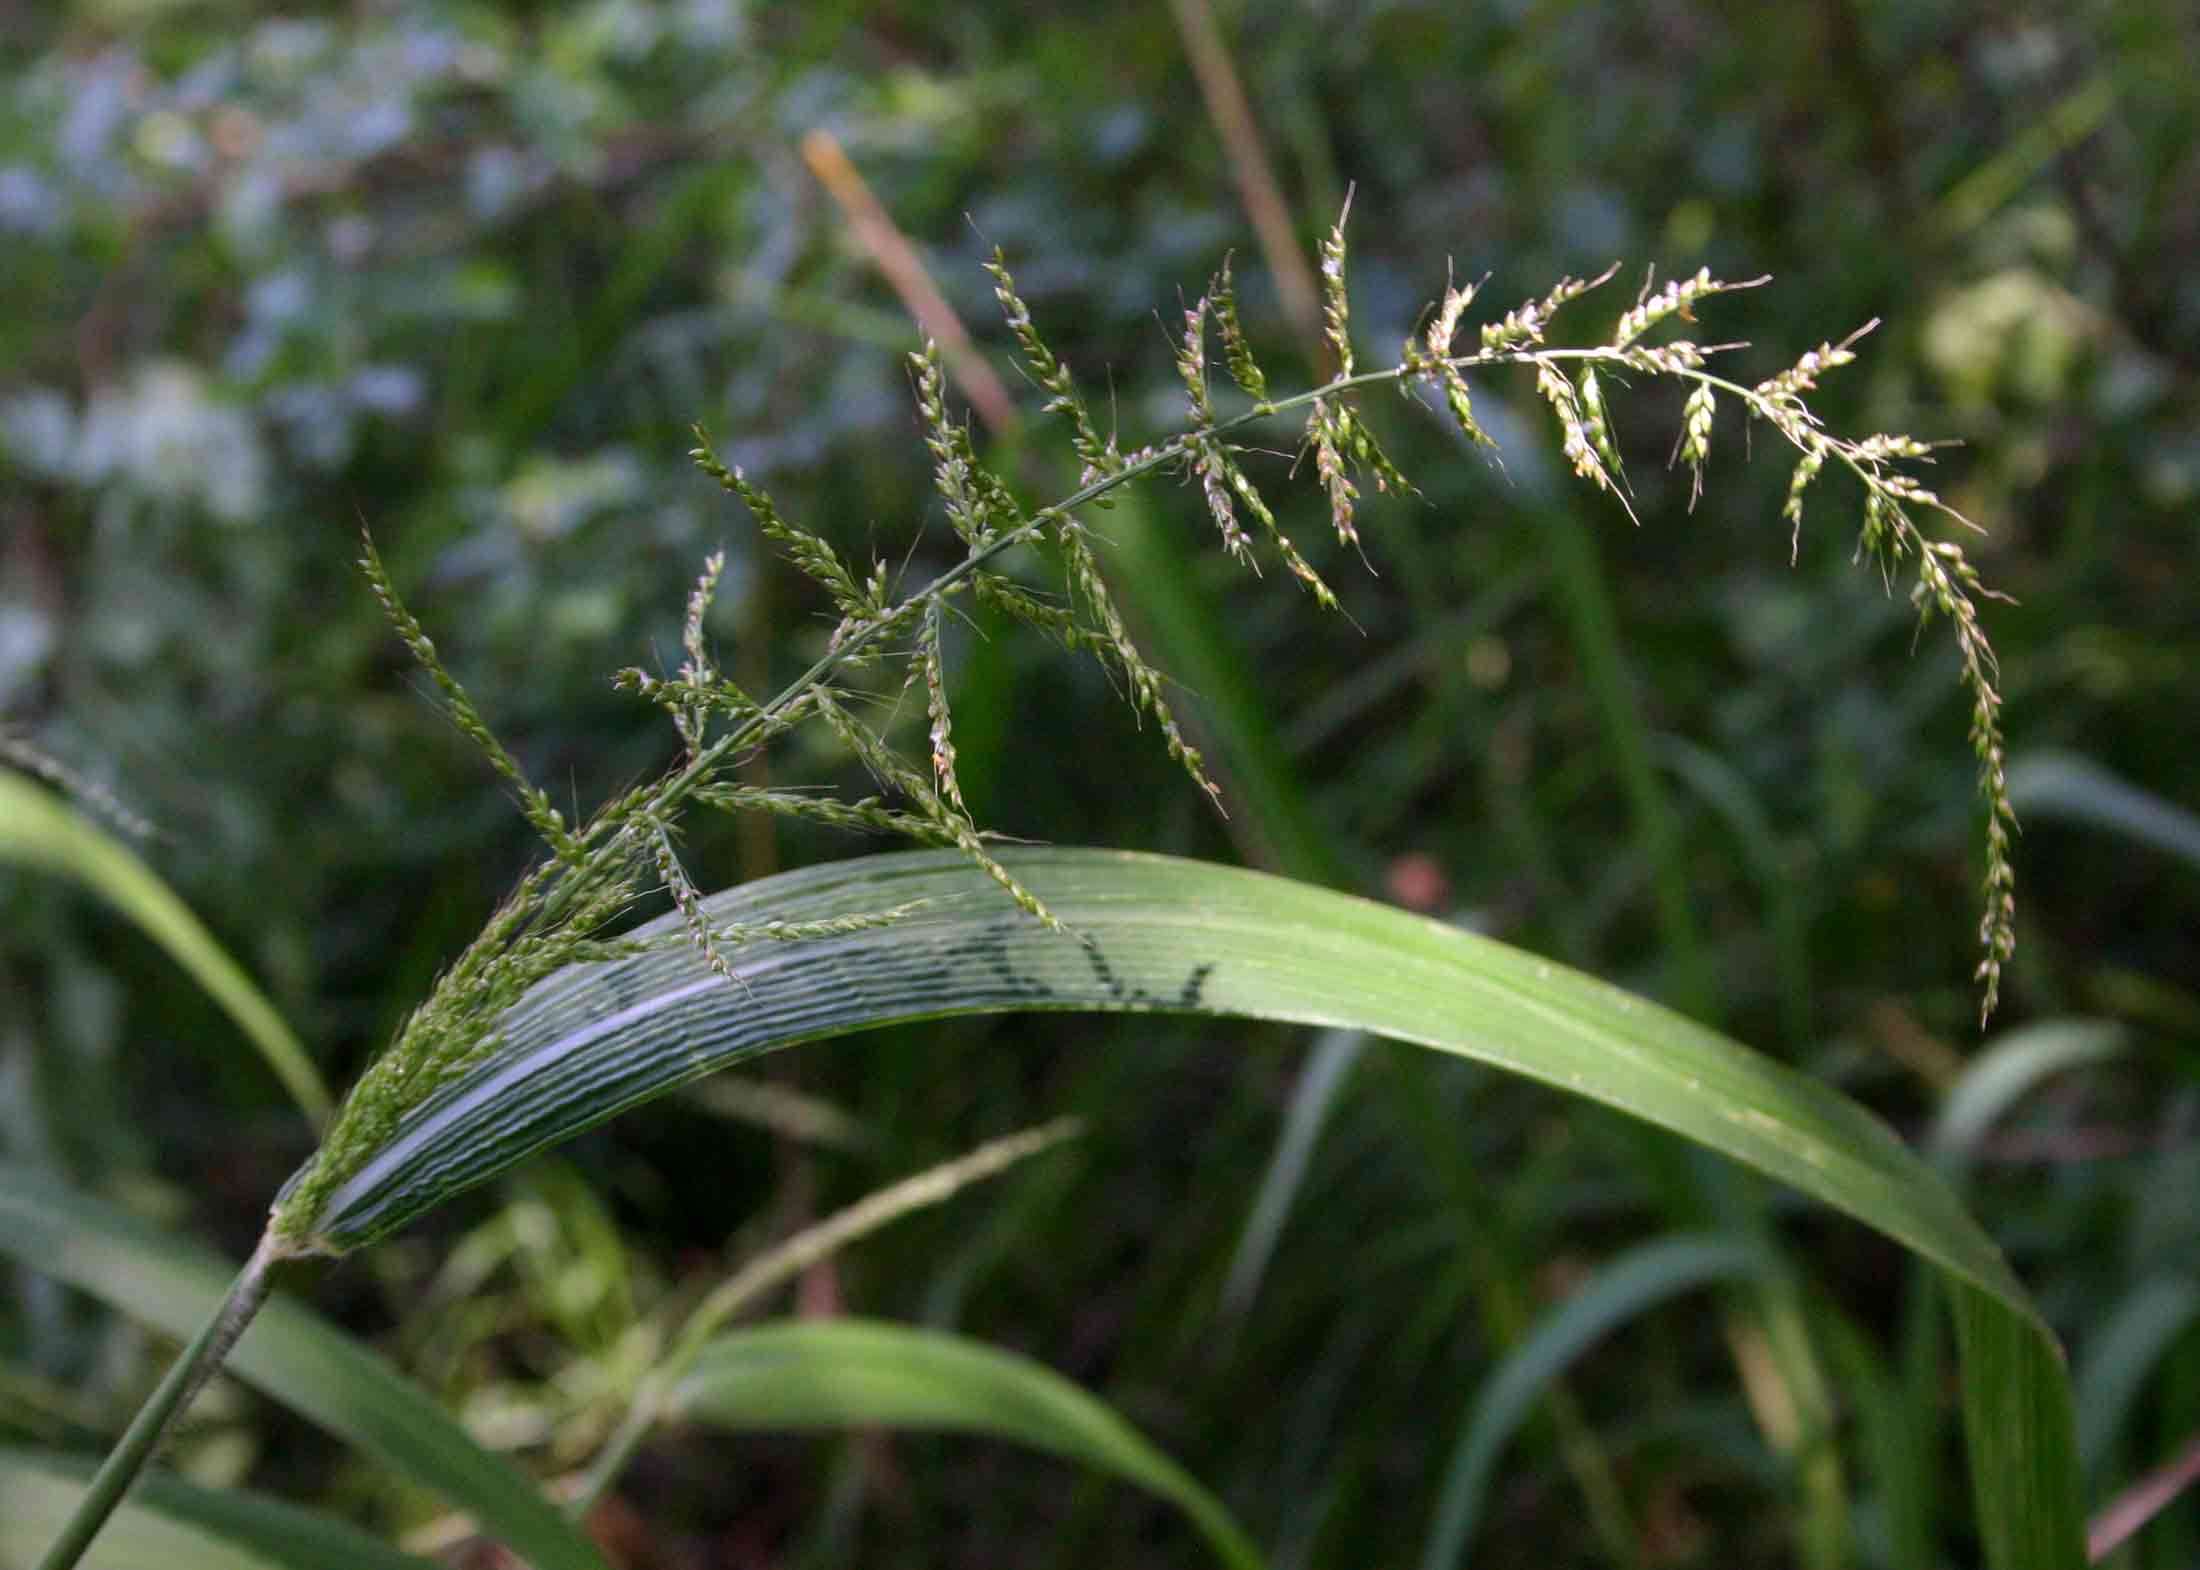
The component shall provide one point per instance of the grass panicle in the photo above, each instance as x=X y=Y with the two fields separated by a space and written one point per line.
x=1145 y=684
x=1806 y=470
x=1057 y=622
x=890 y=769
x=688 y=900
x=1598 y=424
x=1325 y=433
x=1580 y=445
x=870 y=815
x=1222 y=479
x=697 y=674
x=563 y=910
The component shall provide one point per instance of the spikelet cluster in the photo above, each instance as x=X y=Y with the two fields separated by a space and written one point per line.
x=1436 y=365
x=1677 y=298
x=1339 y=439
x=1214 y=463
x=1695 y=443
x=1524 y=326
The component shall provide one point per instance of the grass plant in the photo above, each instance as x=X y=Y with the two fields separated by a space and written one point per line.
x=556 y=1016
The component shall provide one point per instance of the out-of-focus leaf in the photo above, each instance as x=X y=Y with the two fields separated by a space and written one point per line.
x=290 y=1352
x=2068 y=786
x=1326 y=1069
x=169 y=1524
x=2002 y=1075
x=38 y=830
x=846 y=1373
x=2124 y=1351
x=1631 y=1285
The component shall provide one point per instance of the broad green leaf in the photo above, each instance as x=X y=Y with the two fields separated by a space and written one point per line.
x=38 y=830
x=846 y=1373
x=169 y=1524
x=290 y=1352
x=1630 y=1285
x=1159 y=934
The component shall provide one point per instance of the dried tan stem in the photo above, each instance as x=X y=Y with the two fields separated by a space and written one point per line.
x=1249 y=166
x=884 y=242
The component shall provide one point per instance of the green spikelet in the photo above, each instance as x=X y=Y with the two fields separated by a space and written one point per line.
x=1695 y=445
x=1236 y=352
x=1806 y=470
x=1336 y=307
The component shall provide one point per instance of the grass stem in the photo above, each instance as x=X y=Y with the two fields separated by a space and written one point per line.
x=197 y=1364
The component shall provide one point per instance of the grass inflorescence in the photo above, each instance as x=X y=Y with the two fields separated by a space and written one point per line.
x=597 y=871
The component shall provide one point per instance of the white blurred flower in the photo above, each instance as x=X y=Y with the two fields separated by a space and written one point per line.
x=162 y=435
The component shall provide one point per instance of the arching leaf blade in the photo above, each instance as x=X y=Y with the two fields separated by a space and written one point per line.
x=843 y=1373
x=1156 y=934
x=1160 y=934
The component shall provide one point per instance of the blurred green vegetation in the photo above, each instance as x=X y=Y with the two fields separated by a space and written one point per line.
x=464 y=273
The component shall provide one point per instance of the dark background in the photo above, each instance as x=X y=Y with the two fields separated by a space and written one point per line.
x=465 y=273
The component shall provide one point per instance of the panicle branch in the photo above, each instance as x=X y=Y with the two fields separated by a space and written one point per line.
x=548 y=821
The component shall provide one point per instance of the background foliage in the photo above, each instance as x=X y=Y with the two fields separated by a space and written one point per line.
x=465 y=273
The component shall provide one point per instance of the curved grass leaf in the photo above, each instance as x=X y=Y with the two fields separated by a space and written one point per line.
x=1630 y=1285
x=845 y=1373
x=2008 y=1071
x=2135 y=1337
x=170 y=1524
x=2073 y=787
x=1158 y=934
x=37 y=829
x=781 y=1263
x=1327 y=1067
x=290 y=1353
